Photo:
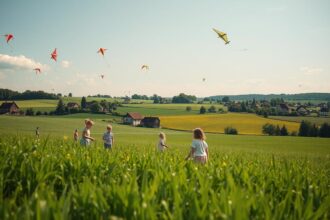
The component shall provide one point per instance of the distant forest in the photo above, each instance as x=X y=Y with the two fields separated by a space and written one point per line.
x=7 y=94
x=296 y=97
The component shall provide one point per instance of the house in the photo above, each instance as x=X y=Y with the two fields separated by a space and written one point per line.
x=72 y=105
x=324 y=112
x=9 y=108
x=284 y=108
x=133 y=118
x=151 y=122
x=302 y=110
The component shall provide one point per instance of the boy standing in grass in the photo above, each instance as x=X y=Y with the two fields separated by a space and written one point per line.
x=86 y=134
x=108 y=138
x=37 y=132
x=199 y=148
x=162 y=142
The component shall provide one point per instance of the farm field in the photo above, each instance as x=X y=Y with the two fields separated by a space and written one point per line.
x=246 y=177
x=165 y=109
x=245 y=123
x=316 y=120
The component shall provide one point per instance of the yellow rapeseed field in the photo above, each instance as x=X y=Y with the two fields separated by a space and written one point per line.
x=245 y=123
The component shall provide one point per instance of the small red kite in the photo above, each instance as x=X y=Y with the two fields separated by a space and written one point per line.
x=38 y=70
x=54 y=55
x=102 y=76
x=9 y=37
x=102 y=51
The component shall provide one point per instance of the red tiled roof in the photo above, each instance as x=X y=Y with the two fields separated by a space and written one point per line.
x=135 y=115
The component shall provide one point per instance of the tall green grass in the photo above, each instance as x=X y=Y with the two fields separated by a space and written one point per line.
x=57 y=179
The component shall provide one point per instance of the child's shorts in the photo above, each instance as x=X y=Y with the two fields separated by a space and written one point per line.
x=108 y=146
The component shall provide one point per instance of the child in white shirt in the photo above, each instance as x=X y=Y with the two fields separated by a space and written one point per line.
x=162 y=142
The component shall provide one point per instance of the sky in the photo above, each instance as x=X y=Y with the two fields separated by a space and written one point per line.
x=276 y=46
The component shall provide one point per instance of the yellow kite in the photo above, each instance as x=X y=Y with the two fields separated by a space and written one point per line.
x=222 y=35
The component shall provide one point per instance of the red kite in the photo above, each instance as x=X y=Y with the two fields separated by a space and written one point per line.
x=9 y=37
x=222 y=35
x=102 y=76
x=38 y=70
x=145 y=67
x=102 y=51
x=204 y=79
x=54 y=55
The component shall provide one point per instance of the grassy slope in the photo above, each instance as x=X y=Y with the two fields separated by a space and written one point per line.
x=126 y=135
x=245 y=123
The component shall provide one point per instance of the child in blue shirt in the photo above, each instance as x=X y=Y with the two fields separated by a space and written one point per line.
x=108 y=138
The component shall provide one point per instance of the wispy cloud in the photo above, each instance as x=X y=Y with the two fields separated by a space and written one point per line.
x=22 y=62
x=311 y=70
x=65 y=64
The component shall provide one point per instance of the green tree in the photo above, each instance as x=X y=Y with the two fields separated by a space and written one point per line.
x=268 y=129
x=60 y=109
x=70 y=94
x=325 y=130
x=212 y=109
x=277 y=130
x=83 y=103
x=314 y=131
x=231 y=130
x=188 y=108
x=29 y=112
x=284 y=131
x=95 y=107
x=304 y=128
x=225 y=99
x=202 y=110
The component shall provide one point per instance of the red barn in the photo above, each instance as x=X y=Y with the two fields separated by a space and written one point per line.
x=9 y=108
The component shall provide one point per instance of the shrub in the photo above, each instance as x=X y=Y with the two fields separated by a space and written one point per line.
x=29 y=112
x=231 y=130
x=212 y=109
x=188 y=108
x=284 y=131
x=268 y=129
x=38 y=113
x=202 y=110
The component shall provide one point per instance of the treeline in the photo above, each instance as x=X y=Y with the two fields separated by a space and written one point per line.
x=306 y=129
x=7 y=94
x=300 y=96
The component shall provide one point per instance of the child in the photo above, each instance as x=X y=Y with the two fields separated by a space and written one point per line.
x=75 y=135
x=199 y=149
x=161 y=143
x=37 y=132
x=108 y=138
x=86 y=134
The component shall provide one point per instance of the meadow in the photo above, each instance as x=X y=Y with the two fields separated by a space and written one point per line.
x=245 y=123
x=248 y=176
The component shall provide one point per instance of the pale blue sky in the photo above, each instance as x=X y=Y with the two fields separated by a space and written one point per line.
x=276 y=46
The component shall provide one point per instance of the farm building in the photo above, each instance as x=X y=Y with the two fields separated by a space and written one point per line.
x=302 y=110
x=9 y=108
x=284 y=108
x=151 y=122
x=133 y=118
x=72 y=105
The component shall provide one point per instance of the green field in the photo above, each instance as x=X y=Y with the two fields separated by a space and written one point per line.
x=248 y=176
